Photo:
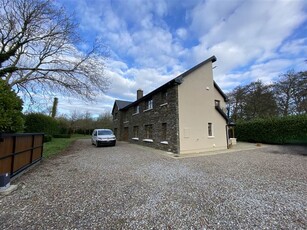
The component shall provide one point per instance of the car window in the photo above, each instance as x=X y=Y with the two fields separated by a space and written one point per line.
x=95 y=133
x=105 y=132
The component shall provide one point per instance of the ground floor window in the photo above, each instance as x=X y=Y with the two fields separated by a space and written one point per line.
x=115 y=132
x=135 y=131
x=148 y=131
x=210 y=129
x=163 y=131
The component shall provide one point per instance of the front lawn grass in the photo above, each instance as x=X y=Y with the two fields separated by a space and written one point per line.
x=58 y=145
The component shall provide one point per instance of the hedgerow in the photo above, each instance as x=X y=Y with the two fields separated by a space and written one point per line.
x=277 y=130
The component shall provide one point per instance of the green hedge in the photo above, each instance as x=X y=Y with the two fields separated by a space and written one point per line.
x=40 y=123
x=278 y=130
x=62 y=135
x=47 y=138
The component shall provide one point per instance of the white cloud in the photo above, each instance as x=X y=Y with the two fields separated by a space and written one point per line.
x=241 y=33
x=295 y=47
x=182 y=33
x=251 y=40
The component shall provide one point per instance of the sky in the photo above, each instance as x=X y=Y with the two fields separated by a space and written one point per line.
x=152 y=41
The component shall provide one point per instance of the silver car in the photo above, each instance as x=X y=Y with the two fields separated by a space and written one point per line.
x=103 y=137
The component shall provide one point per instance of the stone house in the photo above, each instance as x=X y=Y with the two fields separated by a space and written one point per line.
x=185 y=115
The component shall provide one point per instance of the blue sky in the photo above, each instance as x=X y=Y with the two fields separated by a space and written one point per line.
x=153 y=41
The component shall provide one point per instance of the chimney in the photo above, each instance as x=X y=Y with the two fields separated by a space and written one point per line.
x=139 y=94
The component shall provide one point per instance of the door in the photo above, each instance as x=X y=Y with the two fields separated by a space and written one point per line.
x=126 y=134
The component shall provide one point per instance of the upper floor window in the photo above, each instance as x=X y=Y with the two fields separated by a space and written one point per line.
x=115 y=115
x=164 y=96
x=149 y=104
x=136 y=109
x=124 y=116
x=217 y=103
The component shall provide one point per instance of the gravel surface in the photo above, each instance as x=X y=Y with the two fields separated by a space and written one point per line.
x=132 y=187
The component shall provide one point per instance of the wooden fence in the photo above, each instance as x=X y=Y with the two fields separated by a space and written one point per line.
x=20 y=151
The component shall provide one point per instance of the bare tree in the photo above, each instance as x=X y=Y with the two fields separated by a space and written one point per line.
x=301 y=93
x=291 y=93
x=285 y=90
x=38 y=51
x=251 y=101
x=236 y=102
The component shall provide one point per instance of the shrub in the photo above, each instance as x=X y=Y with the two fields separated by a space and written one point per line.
x=47 y=138
x=11 y=119
x=40 y=123
x=62 y=135
x=278 y=130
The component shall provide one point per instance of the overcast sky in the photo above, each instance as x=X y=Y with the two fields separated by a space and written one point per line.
x=153 y=41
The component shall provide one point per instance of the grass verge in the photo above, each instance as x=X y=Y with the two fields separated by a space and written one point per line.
x=58 y=145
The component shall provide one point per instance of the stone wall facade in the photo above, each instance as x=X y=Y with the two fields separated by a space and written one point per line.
x=162 y=120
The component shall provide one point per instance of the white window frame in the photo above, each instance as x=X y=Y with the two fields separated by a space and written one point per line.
x=149 y=104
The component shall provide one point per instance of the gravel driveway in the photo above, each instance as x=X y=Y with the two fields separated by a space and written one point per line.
x=132 y=187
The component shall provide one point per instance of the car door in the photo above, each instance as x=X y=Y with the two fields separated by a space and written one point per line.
x=94 y=136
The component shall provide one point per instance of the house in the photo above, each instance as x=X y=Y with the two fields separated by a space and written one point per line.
x=185 y=115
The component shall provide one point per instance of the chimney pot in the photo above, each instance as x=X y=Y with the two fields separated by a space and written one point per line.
x=139 y=94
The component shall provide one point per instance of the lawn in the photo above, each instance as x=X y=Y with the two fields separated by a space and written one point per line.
x=58 y=145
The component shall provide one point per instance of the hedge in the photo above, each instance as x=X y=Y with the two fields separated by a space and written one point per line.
x=61 y=135
x=40 y=123
x=277 y=130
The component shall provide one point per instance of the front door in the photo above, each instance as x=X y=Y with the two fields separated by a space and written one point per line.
x=126 y=134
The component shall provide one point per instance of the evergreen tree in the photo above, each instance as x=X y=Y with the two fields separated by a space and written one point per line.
x=11 y=118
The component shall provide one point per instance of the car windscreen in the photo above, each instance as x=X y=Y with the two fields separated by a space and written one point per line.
x=105 y=132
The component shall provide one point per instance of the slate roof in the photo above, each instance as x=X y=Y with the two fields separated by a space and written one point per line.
x=176 y=81
x=121 y=104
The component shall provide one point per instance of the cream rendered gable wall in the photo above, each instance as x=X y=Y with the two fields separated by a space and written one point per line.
x=196 y=109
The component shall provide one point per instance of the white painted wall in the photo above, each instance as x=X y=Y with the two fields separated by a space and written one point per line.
x=196 y=106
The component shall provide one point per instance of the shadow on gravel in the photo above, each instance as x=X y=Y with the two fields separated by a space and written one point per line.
x=291 y=149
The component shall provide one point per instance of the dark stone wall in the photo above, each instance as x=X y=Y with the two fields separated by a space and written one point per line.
x=164 y=111
x=116 y=123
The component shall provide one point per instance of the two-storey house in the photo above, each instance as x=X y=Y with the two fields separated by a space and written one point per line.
x=185 y=115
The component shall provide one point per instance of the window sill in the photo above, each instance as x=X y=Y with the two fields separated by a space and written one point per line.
x=126 y=122
x=135 y=138
x=211 y=137
x=135 y=114
x=147 y=110
x=164 y=142
x=164 y=104
x=148 y=140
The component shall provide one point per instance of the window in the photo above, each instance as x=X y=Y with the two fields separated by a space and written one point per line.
x=210 y=131
x=163 y=131
x=164 y=96
x=217 y=103
x=115 y=115
x=115 y=132
x=148 y=131
x=136 y=131
x=149 y=104
x=124 y=116
x=136 y=109
x=104 y=132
